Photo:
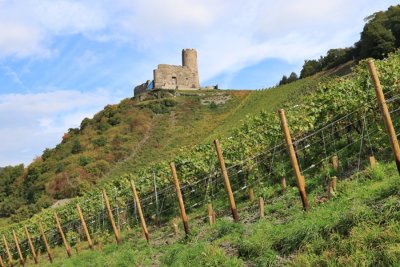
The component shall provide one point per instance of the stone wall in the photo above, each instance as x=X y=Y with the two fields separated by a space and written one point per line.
x=183 y=77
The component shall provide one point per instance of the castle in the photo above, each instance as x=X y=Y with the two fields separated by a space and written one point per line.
x=171 y=77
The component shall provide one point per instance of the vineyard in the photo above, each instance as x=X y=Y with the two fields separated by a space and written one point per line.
x=337 y=131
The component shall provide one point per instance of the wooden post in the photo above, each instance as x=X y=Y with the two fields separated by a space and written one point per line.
x=31 y=245
x=214 y=217
x=85 y=229
x=385 y=113
x=45 y=242
x=334 y=182
x=210 y=214
x=301 y=184
x=10 y=259
x=140 y=211
x=175 y=226
x=110 y=215
x=66 y=245
x=261 y=203
x=335 y=163
x=180 y=199
x=21 y=257
x=2 y=262
x=251 y=195
x=227 y=183
x=283 y=182
x=372 y=161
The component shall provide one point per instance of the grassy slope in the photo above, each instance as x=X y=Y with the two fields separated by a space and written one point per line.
x=357 y=228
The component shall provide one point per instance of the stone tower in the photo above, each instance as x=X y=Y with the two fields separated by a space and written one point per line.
x=189 y=60
x=185 y=77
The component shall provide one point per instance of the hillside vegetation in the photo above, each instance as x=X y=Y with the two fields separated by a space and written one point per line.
x=357 y=228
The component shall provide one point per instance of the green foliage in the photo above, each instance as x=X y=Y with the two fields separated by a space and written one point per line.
x=200 y=254
x=380 y=36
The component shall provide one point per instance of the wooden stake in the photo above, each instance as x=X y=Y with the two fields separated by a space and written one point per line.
x=251 y=195
x=139 y=207
x=85 y=229
x=210 y=214
x=283 y=182
x=180 y=199
x=110 y=215
x=334 y=182
x=66 y=245
x=227 y=183
x=214 y=217
x=2 y=262
x=301 y=184
x=21 y=257
x=372 y=161
x=45 y=242
x=385 y=113
x=10 y=259
x=261 y=203
x=175 y=226
x=335 y=163
x=31 y=245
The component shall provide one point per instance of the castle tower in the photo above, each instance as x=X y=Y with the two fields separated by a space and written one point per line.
x=189 y=60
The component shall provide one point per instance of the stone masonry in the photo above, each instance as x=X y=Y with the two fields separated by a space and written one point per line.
x=185 y=77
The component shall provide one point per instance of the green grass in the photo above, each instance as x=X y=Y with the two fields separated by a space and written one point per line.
x=359 y=227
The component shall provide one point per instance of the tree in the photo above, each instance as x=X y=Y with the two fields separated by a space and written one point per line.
x=310 y=67
x=376 y=40
x=284 y=80
x=292 y=77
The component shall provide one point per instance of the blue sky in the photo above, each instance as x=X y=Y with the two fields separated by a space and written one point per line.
x=63 y=60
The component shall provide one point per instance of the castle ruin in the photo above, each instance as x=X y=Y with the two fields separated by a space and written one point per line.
x=171 y=77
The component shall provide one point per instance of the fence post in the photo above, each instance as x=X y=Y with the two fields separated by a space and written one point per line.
x=283 y=183
x=372 y=161
x=180 y=199
x=66 y=245
x=251 y=195
x=45 y=242
x=31 y=245
x=210 y=214
x=335 y=163
x=261 y=204
x=10 y=259
x=385 y=113
x=301 y=184
x=140 y=211
x=110 y=215
x=21 y=257
x=85 y=229
x=227 y=183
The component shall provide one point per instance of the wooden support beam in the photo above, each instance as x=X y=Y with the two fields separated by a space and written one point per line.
x=140 y=211
x=301 y=184
x=227 y=183
x=385 y=114
x=261 y=205
x=85 y=229
x=45 y=242
x=110 y=215
x=33 y=251
x=10 y=259
x=66 y=245
x=21 y=257
x=210 y=214
x=372 y=161
x=180 y=199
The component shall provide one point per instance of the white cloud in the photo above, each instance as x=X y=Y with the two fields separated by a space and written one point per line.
x=31 y=122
